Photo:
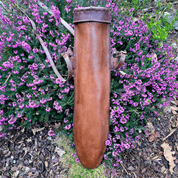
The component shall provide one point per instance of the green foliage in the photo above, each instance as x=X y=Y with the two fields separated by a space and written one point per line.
x=158 y=25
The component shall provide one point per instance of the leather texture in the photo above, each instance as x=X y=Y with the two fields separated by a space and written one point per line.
x=92 y=91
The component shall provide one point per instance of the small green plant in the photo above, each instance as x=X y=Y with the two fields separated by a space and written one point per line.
x=159 y=31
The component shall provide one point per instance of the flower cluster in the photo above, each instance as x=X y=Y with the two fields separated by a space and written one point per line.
x=56 y=12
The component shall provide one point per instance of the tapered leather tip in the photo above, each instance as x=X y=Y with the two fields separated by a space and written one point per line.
x=90 y=160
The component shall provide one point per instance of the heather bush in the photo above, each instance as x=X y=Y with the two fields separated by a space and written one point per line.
x=30 y=91
x=157 y=23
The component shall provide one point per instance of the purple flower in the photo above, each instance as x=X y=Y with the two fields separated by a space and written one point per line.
x=50 y=99
x=30 y=57
x=131 y=10
x=21 y=106
x=118 y=137
x=58 y=107
x=147 y=102
x=19 y=115
x=43 y=101
x=12 y=120
x=122 y=129
x=2 y=135
x=135 y=104
x=140 y=53
x=132 y=146
x=120 y=22
x=123 y=121
x=48 y=109
x=66 y=90
x=138 y=82
x=51 y=133
x=58 y=81
x=25 y=19
x=28 y=95
x=68 y=1
x=60 y=96
x=68 y=127
x=137 y=137
x=9 y=39
x=32 y=104
x=1 y=112
x=65 y=121
x=15 y=72
x=45 y=13
x=35 y=50
x=37 y=81
x=127 y=146
x=105 y=157
x=116 y=129
x=34 y=88
x=77 y=160
x=7 y=64
x=129 y=33
x=114 y=154
x=108 y=5
x=56 y=12
x=144 y=95
x=26 y=46
x=107 y=142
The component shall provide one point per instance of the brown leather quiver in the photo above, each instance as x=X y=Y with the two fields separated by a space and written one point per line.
x=92 y=83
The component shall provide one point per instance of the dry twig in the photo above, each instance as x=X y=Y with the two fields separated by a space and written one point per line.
x=169 y=134
x=125 y=169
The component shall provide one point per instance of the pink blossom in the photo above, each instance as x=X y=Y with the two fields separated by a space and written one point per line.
x=26 y=46
x=25 y=20
x=51 y=133
x=108 y=5
x=122 y=129
x=1 y=112
x=68 y=127
x=12 y=120
x=45 y=13
x=21 y=106
x=131 y=10
x=48 y=109
x=127 y=146
x=43 y=101
x=37 y=81
x=50 y=20
x=7 y=64
x=107 y=142
x=114 y=154
x=2 y=135
x=56 y=12
x=123 y=121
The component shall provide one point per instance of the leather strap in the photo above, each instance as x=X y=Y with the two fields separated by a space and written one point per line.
x=69 y=62
x=114 y=61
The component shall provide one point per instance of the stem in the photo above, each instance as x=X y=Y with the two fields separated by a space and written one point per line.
x=7 y=79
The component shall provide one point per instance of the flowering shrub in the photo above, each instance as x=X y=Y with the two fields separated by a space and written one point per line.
x=30 y=91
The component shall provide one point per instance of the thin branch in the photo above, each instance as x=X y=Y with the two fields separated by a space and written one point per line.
x=7 y=79
x=170 y=134
x=124 y=169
